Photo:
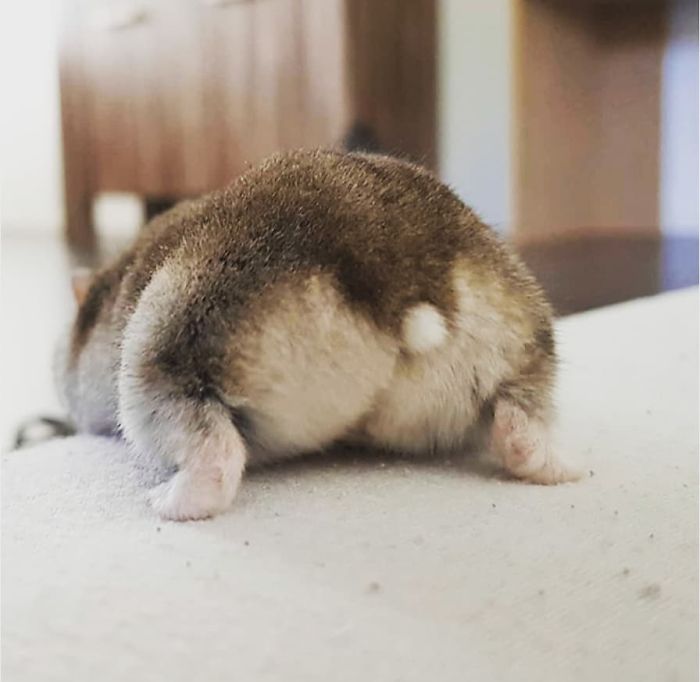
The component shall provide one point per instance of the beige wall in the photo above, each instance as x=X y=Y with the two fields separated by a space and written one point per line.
x=475 y=103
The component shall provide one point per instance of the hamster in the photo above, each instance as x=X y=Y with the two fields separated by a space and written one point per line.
x=321 y=297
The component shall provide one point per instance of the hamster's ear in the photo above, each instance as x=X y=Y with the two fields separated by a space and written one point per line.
x=81 y=279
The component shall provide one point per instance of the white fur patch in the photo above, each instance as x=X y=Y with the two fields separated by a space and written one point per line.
x=424 y=328
x=310 y=369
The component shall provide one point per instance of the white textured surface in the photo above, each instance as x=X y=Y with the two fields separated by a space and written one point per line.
x=354 y=569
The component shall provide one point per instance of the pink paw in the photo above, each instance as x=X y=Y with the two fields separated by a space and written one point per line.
x=522 y=445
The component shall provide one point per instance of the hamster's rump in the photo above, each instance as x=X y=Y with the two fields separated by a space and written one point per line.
x=321 y=296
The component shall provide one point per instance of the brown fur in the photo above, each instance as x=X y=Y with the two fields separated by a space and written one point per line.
x=386 y=232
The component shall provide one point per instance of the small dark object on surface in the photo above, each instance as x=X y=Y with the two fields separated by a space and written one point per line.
x=40 y=429
x=650 y=591
x=374 y=586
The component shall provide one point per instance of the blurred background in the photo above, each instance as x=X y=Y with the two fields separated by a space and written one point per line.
x=571 y=126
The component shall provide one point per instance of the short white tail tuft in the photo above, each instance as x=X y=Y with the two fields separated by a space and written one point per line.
x=424 y=328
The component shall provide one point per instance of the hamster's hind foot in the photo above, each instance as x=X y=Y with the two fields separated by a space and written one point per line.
x=195 y=493
x=522 y=445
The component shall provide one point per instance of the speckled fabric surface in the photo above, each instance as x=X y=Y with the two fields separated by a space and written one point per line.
x=362 y=567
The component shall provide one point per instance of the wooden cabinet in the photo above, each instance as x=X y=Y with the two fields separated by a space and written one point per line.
x=172 y=98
